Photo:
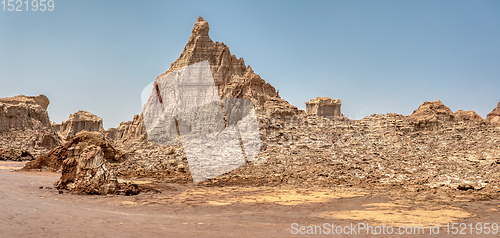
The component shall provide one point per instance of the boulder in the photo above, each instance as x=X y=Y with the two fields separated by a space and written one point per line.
x=85 y=165
x=53 y=160
x=85 y=171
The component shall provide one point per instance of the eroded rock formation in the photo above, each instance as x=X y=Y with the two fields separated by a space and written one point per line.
x=129 y=130
x=232 y=77
x=78 y=121
x=25 y=124
x=53 y=160
x=494 y=116
x=430 y=115
x=24 y=113
x=323 y=106
x=468 y=116
x=85 y=165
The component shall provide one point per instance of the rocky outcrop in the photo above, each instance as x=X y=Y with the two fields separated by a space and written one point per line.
x=430 y=115
x=85 y=165
x=24 y=113
x=78 y=121
x=53 y=160
x=323 y=106
x=232 y=77
x=15 y=154
x=468 y=116
x=128 y=131
x=25 y=125
x=494 y=116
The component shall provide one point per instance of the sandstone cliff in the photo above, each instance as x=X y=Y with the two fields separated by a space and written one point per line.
x=25 y=125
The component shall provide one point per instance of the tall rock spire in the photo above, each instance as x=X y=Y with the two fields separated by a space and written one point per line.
x=232 y=77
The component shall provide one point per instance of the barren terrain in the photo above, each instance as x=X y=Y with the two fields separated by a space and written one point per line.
x=32 y=208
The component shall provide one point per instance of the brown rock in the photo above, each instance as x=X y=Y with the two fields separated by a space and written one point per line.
x=128 y=131
x=430 y=115
x=323 y=106
x=232 y=77
x=86 y=171
x=24 y=113
x=15 y=154
x=79 y=121
x=468 y=116
x=25 y=124
x=494 y=116
x=54 y=159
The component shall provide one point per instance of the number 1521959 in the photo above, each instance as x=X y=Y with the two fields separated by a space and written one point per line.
x=27 y=5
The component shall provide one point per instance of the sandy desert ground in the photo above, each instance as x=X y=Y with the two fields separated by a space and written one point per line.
x=31 y=207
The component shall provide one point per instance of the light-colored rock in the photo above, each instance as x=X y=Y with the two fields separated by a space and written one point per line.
x=323 y=106
x=25 y=124
x=79 y=121
x=24 y=113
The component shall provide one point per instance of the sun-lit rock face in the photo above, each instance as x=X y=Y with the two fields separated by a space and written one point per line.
x=323 y=106
x=24 y=113
x=232 y=77
x=494 y=116
x=79 y=121
x=25 y=125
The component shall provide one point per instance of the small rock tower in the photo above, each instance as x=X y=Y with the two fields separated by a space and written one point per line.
x=323 y=106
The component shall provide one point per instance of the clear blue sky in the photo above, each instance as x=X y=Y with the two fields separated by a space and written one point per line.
x=376 y=56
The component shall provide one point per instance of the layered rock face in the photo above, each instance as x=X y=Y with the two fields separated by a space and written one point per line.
x=323 y=106
x=25 y=124
x=79 y=121
x=494 y=116
x=232 y=77
x=24 y=113
x=129 y=130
